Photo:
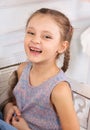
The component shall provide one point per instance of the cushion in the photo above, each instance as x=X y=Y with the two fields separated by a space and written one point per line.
x=81 y=94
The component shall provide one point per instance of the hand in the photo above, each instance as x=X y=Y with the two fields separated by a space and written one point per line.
x=9 y=111
x=20 y=123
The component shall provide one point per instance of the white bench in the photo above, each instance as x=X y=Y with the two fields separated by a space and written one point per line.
x=81 y=94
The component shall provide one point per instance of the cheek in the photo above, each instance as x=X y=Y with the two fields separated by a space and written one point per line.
x=27 y=39
x=26 y=42
x=26 y=45
x=55 y=47
x=51 y=50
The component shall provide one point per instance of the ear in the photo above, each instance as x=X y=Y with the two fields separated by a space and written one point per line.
x=63 y=47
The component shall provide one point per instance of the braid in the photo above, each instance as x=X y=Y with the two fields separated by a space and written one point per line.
x=66 y=60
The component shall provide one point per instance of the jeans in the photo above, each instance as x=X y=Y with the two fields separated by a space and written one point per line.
x=1 y=115
x=4 y=125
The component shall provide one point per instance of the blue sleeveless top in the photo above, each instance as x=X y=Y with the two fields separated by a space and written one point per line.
x=34 y=102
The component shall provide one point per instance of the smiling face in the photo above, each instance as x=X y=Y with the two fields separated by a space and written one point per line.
x=42 y=39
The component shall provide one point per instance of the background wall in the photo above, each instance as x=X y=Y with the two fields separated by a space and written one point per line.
x=13 y=17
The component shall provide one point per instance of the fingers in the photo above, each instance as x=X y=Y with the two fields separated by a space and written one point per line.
x=17 y=111
x=20 y=123
x=8 y=116
x=10 y=113
x=15 y=121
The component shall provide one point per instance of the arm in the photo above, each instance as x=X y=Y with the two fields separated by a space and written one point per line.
x=62 y=100
x=10 y=107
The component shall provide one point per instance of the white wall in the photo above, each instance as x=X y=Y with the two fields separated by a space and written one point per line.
x=13 y=17
x=80 y=62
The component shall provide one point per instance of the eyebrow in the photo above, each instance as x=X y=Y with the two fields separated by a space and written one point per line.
x=44 y=31
x=30 y=28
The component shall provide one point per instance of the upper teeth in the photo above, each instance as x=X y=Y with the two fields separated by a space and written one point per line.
x=35 y=49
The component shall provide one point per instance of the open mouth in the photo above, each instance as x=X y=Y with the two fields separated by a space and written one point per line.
x=35 y=50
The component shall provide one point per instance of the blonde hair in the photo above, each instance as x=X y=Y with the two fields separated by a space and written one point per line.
x=66 y=30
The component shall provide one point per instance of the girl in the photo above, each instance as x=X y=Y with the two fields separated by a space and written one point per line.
x=43 y=95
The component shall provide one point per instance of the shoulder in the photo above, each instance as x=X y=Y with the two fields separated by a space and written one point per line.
x=61 y=93
x=20 y=68
x=62 y=101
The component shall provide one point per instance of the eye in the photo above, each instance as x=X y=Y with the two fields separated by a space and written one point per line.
x=31 y=33
x=47 y=37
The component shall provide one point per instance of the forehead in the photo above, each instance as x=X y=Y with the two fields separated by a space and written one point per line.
x=43 y=21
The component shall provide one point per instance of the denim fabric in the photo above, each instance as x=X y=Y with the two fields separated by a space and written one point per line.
x=1 y=115
x=6 y=126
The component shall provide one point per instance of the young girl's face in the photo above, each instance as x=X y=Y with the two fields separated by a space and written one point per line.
x=42 y=39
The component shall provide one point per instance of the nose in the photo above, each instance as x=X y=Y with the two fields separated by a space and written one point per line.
x=36 y=40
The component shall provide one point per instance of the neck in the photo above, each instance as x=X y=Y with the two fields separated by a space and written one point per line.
x=45 y=68
x=40 y=73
